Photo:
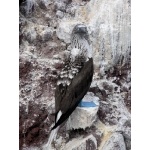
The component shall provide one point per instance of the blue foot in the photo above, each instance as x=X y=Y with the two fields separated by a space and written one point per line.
x=87 y=104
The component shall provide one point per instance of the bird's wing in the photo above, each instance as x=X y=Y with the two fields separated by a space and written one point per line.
x=68 y=98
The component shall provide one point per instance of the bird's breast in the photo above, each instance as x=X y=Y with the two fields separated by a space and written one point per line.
x=68 y=73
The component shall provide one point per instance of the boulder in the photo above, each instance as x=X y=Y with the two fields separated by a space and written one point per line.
x=85 y=114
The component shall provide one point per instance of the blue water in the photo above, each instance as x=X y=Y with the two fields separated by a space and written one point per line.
x=86 y=104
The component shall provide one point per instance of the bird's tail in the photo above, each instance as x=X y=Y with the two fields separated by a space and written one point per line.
x=53 y=134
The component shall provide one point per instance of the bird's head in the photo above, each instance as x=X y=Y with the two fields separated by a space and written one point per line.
x=79 y=33
x=80 y=42
x=80 y=29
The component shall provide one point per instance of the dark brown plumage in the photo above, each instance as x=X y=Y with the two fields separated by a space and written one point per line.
x=67 y=98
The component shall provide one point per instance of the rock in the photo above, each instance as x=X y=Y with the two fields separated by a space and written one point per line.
x=84 y=117
x=31 y=35
x=71 y=10
x=60 y=5
x=39 y=33
x=127 y=137
x=126 y=132
x=115 y=142
x=34 y=124
x=59 y=14
x=27 y=7
x=64 y=30
x=44 y=4
x=47 y=34
x=88 y=143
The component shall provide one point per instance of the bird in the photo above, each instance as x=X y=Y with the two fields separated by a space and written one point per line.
x=75 y=78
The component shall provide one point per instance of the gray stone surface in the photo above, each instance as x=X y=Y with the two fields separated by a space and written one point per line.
x=59 y=14
x=115 y=142
x=87 y=143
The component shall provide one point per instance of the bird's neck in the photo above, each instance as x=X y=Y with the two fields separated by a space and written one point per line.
x=80 y=50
